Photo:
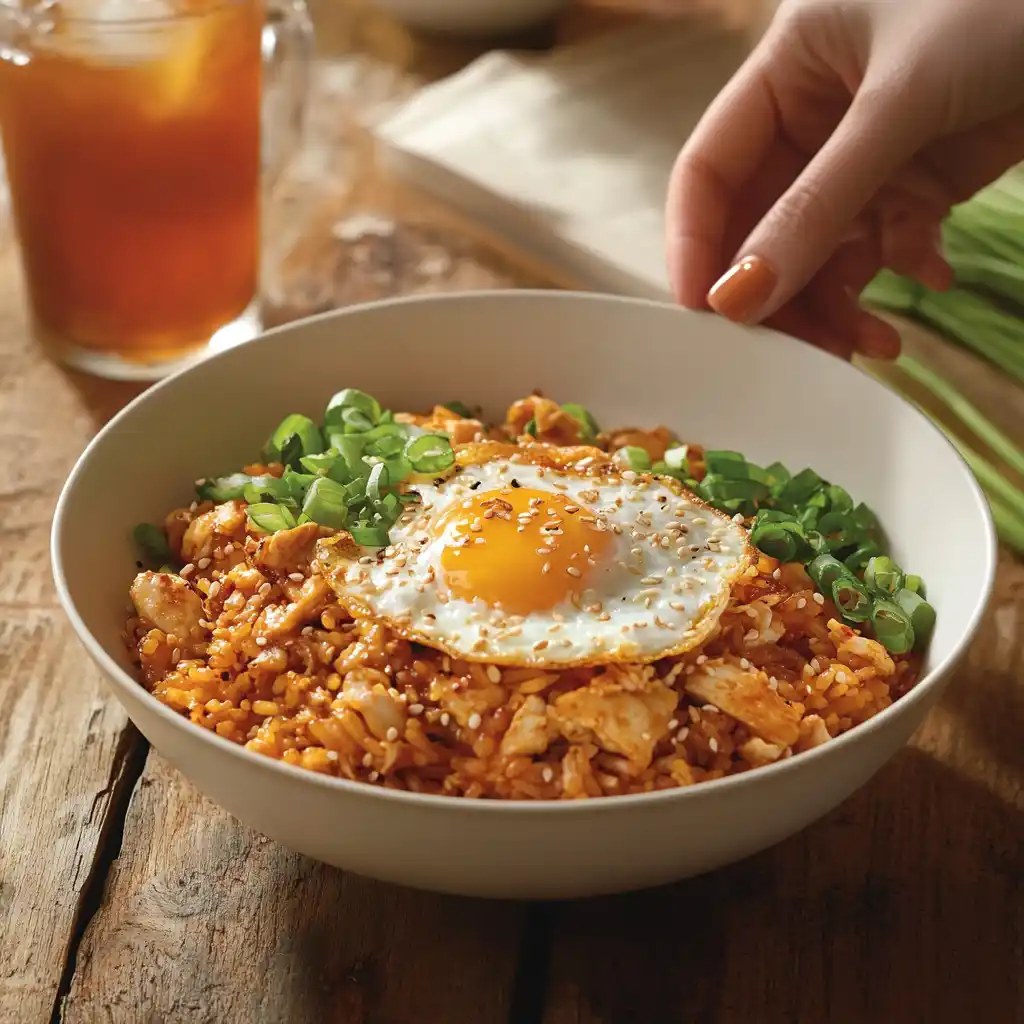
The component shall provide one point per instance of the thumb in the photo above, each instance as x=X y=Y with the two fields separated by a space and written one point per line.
x=879 y=133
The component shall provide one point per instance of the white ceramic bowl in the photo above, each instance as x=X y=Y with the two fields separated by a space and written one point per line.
x=473 y=18
x=630 y=362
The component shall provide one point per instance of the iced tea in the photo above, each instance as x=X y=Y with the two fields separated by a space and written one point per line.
x=131 y=131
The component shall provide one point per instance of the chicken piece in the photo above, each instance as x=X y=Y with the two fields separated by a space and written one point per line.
x=530 y=731
x=287 y=551
x=552 y=423
x=813 y=732
x=760 y=753
x=858 y=651
x=365 y=691
x=655 y=442
x=169 y=603
x=279 y=621
x=618 y=716
x=462 y=700
x=746 y=695
x=224 y=523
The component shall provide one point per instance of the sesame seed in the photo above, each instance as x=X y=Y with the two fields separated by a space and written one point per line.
x=540 y=645
x=801 y=603
x=683 y=733
x=474 y=721
x=187 y=571
x=264 y=589
x=651 y=581
x=546 y=567
x=307 y=631
x=713 y=744
x=677 y=606
x=777 y=575
x=629 y=476
x=415 y=710
x=261 y=641
x=297 y=577
x=367 y=760
x=203 y=563
x=214 y=589
x=445 y=718
x=229 y=548
x=547 y=773
x=176 y=655
x=819 y=599
x=573 y=571
x=701 y=659
x=744 y=664
x=494 y=673
x=374 y=776
x=751 y=634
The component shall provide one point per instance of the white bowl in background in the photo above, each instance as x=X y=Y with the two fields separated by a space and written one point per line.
x=630 y=362
x=473 y=18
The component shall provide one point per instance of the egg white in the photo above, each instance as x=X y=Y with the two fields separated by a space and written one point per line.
x=672 y=567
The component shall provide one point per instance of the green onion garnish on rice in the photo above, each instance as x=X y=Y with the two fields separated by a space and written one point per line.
x=152 y=544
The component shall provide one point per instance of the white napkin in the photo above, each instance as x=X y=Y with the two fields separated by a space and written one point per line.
x=567 y=156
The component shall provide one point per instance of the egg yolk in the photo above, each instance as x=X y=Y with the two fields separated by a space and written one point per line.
x=520 y=549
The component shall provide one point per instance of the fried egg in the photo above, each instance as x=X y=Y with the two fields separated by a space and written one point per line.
x=525 y=559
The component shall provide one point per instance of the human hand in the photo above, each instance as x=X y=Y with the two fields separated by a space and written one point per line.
x=837 y=149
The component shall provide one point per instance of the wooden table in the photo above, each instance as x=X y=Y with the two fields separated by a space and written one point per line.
x=127 y=897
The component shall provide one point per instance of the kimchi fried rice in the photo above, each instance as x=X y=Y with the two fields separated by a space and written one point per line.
x=249 y=640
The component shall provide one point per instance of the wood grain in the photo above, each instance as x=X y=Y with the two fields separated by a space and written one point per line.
x=64 y=745
x=207 y=921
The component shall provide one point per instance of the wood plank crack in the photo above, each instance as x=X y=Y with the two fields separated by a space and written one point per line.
x=111 y=803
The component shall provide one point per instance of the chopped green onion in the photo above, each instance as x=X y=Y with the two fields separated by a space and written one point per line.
x=531 y=428
x=168 y=569
x=152 y=543
x=676 y=458
x=892 y=626
x=838 y=498
x=915 y=584
x=270 y=518
x=223 y=488
x=378 y=482
x=325 y=503
x=783 y=540
x=587 y=424
x=726 y=463
x=921 y=613
x=634 y=458
x=867 y=520
x=715 y=488
x=460 y=409
x=883 y=575
x=430 y=453
x=351 y=412
x=840 y=529
x=799 y=488
x=276 y=490
x=369 y=535
x=825 y=570
x=852 y=598
x=295 y=436
x=862 y=554
x=778 y=475
x=321 y=463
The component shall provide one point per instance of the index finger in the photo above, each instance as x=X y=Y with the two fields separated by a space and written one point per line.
x=733 y=137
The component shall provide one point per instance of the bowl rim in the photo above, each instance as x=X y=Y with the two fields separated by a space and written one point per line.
x=122 y=680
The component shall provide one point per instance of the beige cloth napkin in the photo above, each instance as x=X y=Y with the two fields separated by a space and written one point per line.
x=568 y=156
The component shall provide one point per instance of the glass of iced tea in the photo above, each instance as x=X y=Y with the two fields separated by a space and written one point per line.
x=132 y=135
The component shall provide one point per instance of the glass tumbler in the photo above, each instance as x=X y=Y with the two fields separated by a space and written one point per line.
x=137 y=138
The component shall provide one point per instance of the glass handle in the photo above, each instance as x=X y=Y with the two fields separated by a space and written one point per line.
x=287 y=46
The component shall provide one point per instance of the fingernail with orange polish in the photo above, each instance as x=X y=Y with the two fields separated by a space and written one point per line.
x=742 y=291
